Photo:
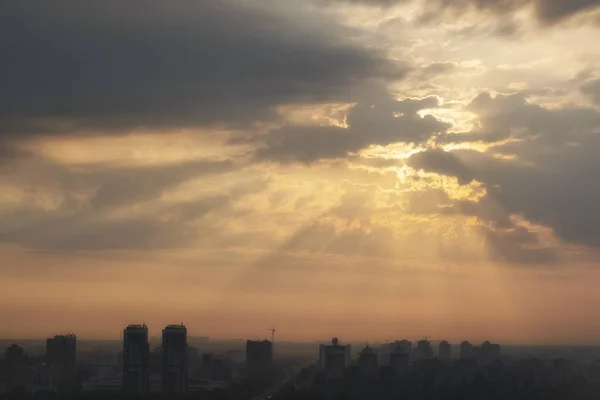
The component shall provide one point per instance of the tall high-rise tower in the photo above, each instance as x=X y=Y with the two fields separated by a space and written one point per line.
x=259 y=359
x=424 y=350
x=367 y=361
x=136 y=359
x=334 y=358
x=14 y=362
x=445 y=351
x=61 y=356
x=174 y=359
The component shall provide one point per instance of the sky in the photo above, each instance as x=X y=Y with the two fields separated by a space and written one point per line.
x=367 y=169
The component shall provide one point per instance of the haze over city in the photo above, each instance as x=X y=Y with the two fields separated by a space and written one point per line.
x=372 y=170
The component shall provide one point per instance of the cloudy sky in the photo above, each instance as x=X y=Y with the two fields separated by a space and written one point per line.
x=370 y=169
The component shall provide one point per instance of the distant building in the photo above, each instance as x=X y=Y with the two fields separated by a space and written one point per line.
x=221 y=370
x=467 y=351
x=445 y=351
x=98 y=359
x=15 y=373
x=207 y=366
x=399 y=356
x=259 y=359
x=156 y=362
x=368 y=361
x=193 y=362
x=61 y=356
x=424 y=350
x=174 y=359
x=489 y=353
x=486 y=354
x=399 y=347
x=136 y=360
x=334 y=359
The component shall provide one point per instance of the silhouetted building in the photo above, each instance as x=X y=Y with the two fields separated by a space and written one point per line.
x=136 y=359
x=174 y=359
x=193 y=362
x=424 y=350
x=221 y=370
x=334 y=359
x=259 y=359
x=399 y=360
x=467 y=351
x=400 y=346
x=207 y=366
x=368 y=361
x=445 y=351
x=489 y=353
x=15 y=367
x=61 y=356
x=100 y=358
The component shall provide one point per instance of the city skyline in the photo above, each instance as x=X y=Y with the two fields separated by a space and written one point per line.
x=154 y=336
x=175 y=368
x=370 y=168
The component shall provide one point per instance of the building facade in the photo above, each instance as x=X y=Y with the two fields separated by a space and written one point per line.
x=368 y=361
x=61 y=357
x=174 y=359
x=424 y=350
x=15 y=371
x=445 y=351
x=136 y=360
x=334 y=359
x=259 y=359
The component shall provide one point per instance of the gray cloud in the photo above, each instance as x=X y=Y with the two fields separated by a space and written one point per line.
x=592 y=89
x=551 y=180
x=505 y=27
x=503 y=238
x=518 y=245
x=88 y=196
x=547 y=12
x=513 y=116
x=443 y=163
x=116 y=65
x=373 y=121
x=555 y=10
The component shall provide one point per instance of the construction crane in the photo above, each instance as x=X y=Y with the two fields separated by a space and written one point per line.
x=272 y=334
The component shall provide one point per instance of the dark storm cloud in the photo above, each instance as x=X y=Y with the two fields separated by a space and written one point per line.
x=114 y=64
x=378 y=121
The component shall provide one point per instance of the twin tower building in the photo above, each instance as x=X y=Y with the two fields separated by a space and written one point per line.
x=174 y=353
x=136 y=359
